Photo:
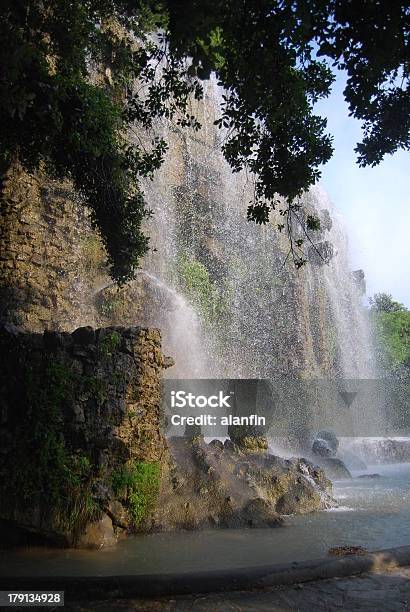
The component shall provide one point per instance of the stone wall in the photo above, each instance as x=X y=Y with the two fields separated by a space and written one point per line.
x=81 y=445
x=50 y=258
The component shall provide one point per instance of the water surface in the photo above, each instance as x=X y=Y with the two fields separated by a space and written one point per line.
x=374 y=513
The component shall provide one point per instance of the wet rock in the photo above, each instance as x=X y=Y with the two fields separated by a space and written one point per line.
x=117 y=514
x=238 y=488
x=326 y=222
x=252 y=444
x=168 y=362
x=342 y=551
x=259 y=512
x=218 y=444
x=321 y=448
x=334 y=468
x=192 y=431
x=359 y=280
x=325 y=444
x=99 y=534
x=230 y=446
x=300 y=498
x=321 y=253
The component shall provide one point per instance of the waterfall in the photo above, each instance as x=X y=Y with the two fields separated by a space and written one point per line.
x=349 y=316
x=264 y=318
x=181 y=333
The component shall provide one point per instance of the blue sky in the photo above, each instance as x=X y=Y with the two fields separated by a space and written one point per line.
x=375 y=202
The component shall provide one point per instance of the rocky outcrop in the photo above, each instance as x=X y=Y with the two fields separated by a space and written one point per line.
x=84 y=462
x=359 y=280
x=324 y=449
x=80 y=433
x=325 y=444
x=223 y=485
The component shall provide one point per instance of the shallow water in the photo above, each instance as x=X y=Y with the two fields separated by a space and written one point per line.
x=374 y=513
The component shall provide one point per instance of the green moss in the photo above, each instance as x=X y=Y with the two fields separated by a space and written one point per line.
x=110 y=343
x=202 y=292
x=137 y=484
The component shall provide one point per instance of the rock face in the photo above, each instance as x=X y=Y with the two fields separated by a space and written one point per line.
x=81 y=445
x=324 y=449
x=47 y=249
x=215 y=485
x=325 y=444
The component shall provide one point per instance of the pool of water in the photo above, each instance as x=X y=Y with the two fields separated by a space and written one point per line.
x=374 y=513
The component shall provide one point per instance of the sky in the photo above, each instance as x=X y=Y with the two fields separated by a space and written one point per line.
x=375 y=202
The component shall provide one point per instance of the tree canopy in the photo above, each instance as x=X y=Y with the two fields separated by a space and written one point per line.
x=383 y=302
x=391 y=321
x=68 y=93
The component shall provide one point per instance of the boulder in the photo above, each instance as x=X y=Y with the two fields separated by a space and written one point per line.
x=259 y=512
x=334 y=468
x=321 y=448
x=230 y=486
x=99 y=534
x=218 y=444
x=330 y=438
x=325 y=444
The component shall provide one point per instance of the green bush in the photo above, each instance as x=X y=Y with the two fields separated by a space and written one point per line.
x=393 y=330
x=137 y=484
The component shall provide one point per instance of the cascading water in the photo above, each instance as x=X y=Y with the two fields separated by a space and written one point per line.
x=181 y=333
x=240 y=311
x=350 y=318
x=270 y=311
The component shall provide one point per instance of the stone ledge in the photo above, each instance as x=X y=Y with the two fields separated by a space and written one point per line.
x=157 y=585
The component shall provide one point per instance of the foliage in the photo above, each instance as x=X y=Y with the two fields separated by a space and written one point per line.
x=202 y=292
x=110 y=343
x=68 y=95
x=383 y=302
x=393 y=329
x=43 y=467
x=138 y=484
x=272 y=58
